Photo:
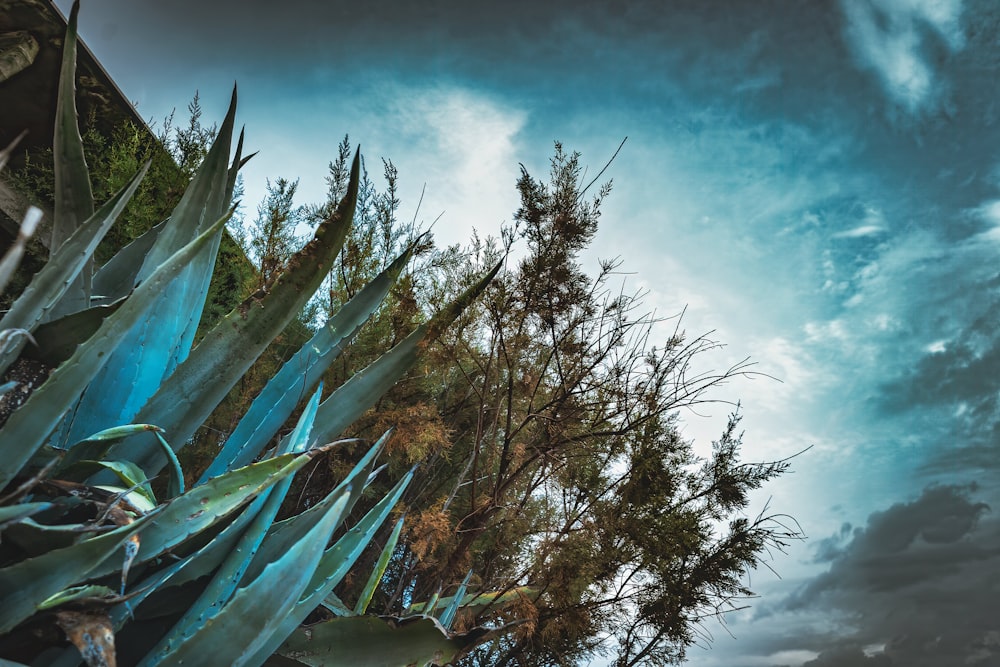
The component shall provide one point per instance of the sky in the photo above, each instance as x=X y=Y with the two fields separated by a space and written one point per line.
x=817 y=183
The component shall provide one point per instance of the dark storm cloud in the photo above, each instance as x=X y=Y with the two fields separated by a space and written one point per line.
x=918 y=582
x=851 y=656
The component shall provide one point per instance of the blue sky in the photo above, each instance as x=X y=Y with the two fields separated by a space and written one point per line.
x=816 y=182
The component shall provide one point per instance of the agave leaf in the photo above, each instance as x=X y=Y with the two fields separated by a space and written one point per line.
x=204 y=505
x=433 y=602
x=223 y=584
x=37 y=538
x=40 y=296
x=277 y=400
x=77 y=593
x=28 y=426
x=476 y=603
x=74 y=200
x=205 y=192
x=290 y=530
x=150 y=348
x=175 y=485
x=15 y=513
x=120 y=274
x=334 y=564
x=188 y=396
x=191 y=567
x=447 y=617
x=367 y=641
x=365 y=387
x=234 y=168
x=12 y=258
x=130 y=475
x=94 y=446
x=56 y=340
x=376 y=575
x=233 y=636
x=335 y=605
x=183 y=348
x=28 y=583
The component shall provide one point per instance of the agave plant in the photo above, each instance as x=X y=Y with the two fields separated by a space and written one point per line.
x=95 y=566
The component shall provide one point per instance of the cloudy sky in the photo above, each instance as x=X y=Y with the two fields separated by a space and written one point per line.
x=817 y=182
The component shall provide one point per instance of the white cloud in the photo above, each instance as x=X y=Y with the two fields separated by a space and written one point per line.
x=989 y=213
x=888 y=37
x=460 y=142
x=858 y=232
x=463 y=145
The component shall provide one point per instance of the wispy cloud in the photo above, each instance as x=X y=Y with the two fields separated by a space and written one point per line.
x=890 y=37
x=460 y=142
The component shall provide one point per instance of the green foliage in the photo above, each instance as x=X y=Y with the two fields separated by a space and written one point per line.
x=93 y=554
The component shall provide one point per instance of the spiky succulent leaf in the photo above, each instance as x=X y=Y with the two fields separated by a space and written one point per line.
x=12 y=258
x=476 y=603
x=447 y=617
x=203 y=506
x=74 y=199
x=94 y=446
x=364 y=388
x=56 y=340
x=29 y=426
x=15 y=513
x=152 y=346
x=39 y=299
x=277 y=400
x=188 y=396
x=120 y=274
x=283 y=533
x=192 y=567
x=127 y=473
x=175 y=484
x=367 y=641
x=9 y=150
x=28 y=583
x=332 y=567
x=376 y=576
x=77 y=593
x=257 y=610
x=224 y=582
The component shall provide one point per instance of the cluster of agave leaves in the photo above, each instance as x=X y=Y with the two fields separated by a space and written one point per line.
x=199 y=576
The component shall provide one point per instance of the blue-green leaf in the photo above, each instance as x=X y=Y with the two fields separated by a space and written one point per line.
x=245 y=624
x=376 y=576
x=120 y=274
x=12 y=258
x=366 y=387
x=74 y=200
x=447 y=617
x=94 y=446
x=29 y=426
x=57 y=340
x=187 y=397
x=204 y=505
x=220 y=589
x=47 y=286
x=277 y=400
x=367 y=641
x=332 y=567
x=28 y=583
x=15 y=513
x=152 y=346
